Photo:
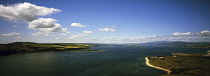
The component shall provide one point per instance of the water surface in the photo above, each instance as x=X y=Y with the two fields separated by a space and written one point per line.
x=114 y=61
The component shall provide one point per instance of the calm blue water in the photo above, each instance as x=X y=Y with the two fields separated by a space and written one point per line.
x=114 y=61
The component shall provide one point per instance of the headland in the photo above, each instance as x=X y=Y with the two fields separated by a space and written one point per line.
x=193 y=65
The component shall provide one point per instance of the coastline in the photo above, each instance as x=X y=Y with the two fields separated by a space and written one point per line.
x=87 y=51
x=31 y=47
x=148 y=64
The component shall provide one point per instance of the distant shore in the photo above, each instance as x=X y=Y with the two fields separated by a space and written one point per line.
x=147 y=63
x=87 y=51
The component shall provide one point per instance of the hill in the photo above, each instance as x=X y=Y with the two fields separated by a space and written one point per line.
x=28 y=47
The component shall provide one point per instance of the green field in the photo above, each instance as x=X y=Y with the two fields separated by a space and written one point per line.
x=184 y=65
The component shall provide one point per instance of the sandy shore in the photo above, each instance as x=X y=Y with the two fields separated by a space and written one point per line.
x=147 y=63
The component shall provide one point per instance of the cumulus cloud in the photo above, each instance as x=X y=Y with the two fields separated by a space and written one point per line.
x=63 y=34
x=106 y=29
x=202 y=36
x=42 y=23
x=77 y=25
x=25 y=11
x=182 y=34
x=131 y=39
x=11 y=34
x=79 y=36
x=40 y=33
x=46 y=24
x=29 y=13
x=202 y=33
x=87 y=32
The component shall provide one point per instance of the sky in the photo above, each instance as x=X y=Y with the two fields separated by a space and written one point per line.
x=104 y=21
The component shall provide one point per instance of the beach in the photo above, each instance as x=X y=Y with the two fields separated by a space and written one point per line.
x=181 y=65
x=147 y=63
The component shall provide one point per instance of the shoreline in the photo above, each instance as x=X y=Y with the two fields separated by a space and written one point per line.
x=57 y=51
x=87 y=51
x=148 y=64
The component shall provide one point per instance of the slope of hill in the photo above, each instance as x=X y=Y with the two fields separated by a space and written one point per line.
x=28 y=47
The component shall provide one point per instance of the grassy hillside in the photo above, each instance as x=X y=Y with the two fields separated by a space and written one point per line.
x=27 y=47
x=189 y=66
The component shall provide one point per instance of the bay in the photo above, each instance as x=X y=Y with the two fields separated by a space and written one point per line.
x=114 y=61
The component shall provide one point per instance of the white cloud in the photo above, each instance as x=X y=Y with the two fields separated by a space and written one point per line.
x=130 y=39
x=56 y=38
x=113 y=26
x=47 y=25
x=88 y=32
x=25 y=11
x=190 y=38
x=77 y=25
x=202 y=36
x=68 y=31
x=63 y=34
x=15 y=26
x=204 y=33
x=79 y=36
x=106 y=29
x=42 y=23
x=29 y=12
x=182 y=34
x=11 y=34
x=40 y=33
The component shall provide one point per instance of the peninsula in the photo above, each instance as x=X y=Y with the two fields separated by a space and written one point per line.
x=30 y=47
x=181 y=65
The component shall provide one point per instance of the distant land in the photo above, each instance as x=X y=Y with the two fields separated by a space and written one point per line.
x=174 y=44
x=181 y=64
x=30 y=47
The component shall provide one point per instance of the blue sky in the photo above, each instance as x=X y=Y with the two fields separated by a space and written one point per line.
x=104 y=21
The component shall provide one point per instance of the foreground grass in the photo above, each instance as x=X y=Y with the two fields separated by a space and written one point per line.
x=183 y=65
x=28 y=47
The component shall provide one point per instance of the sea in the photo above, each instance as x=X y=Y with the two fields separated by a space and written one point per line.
x=113 y=61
